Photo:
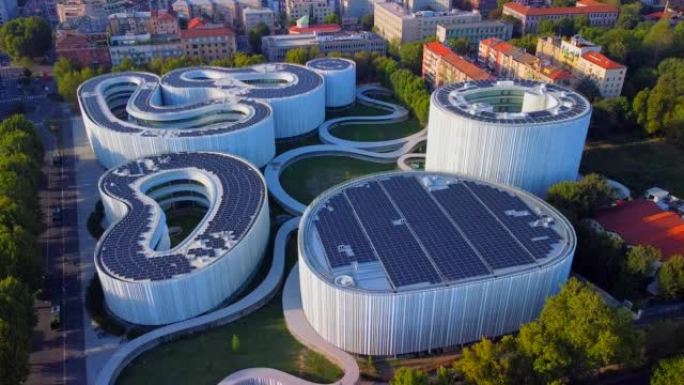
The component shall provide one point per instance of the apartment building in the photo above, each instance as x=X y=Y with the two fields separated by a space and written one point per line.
x=74 y=9
x=584 y=59
x=354 y=10
x=475 y=32
x=83 y=41
x=598 y=14
x=208 y=42
x=395 y=23
x=507 y=61
x=253 y=16
x=142 y=37
x=442 y=66
x=316 y=10
x=275 y=47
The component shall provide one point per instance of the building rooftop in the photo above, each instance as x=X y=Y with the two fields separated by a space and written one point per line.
x=642 y=222
x=469 y=69
x=330 y=64
x=207 y=31
x=316 y=28
x=125 y=250
x=578 y=10
x=602 y=60
x=398 y=10
x=402 y=231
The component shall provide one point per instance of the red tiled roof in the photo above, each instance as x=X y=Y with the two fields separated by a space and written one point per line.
x=556 y=73
x=206 y=32
x=320 y=28
x=469 y=69
x=581 y=10
x=602 y=61
x=642 y=222
x=195 y=22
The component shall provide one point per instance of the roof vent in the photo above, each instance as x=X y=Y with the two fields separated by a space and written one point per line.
x=344 y=281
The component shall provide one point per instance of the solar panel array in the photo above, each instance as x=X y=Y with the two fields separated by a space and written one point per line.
x=577 y=105
x=430 y=235
x=328 y=64
x=122 y=250
x=306 y=80
x=95 y=103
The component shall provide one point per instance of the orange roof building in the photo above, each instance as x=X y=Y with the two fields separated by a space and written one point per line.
x=316 y=28
x=441 y=66
x=195 y=42
x=642 y=222
x=598 y=14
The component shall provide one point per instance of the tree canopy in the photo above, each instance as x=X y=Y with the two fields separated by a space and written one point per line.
x=255 y=34
x=25 y=38
x=580 y=199
x=669 y=371
x=332 y=18
x=409 y=376
x=367 y=22
x=671 y=277
x=16 y=325
x=411 y=55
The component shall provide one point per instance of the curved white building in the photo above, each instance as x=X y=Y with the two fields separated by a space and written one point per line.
x=295 y=93
x=522 y=133
x=147 y=282
x=128 y=116
x=403 y=262
x=340 y=80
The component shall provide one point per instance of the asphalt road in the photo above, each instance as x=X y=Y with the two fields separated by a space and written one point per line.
x=58 y=355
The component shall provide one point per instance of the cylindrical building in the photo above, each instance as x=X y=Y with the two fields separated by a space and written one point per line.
x=127 y=117
x=144 y=280
x=404 y=262
x=523 y=133
x=340 y=80
x=295 y=93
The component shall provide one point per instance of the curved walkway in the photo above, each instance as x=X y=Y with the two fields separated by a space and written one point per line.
x=251 y=302
x=397 y=114
x=302 y=330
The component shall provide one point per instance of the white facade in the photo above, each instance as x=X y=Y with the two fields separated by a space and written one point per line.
x=212 y=281
x=363 y=318
x=508 y=132
x=340 y=80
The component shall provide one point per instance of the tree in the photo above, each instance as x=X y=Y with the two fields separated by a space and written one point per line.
x=297 y=56
x=409 y=376
x=363 y=64
x=126 y=65
x=411 y=56
x=332 y=18
x=255 y=34
x=580 y=199
x=671 y=277
x=527 y=42
x=669 y=371
x=611 y=116
x=637 y=267
x=243 y=60
x=25 y=38
x=235 y=343
x=460 y=45
x=576 y=334
x=16 y=324
x=367 y=22
x=487 y=363
x=69 y=78
x=629 y=15
x=659 y=39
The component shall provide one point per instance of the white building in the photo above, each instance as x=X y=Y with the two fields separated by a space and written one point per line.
x=275 y=47
x=253 y=16
x=405 y=262
x=340 y=80
x=356 y=9
x=147 y=281
x=521 y=133
x=316 y=10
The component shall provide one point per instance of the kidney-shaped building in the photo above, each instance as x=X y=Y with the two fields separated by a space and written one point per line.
x=144 y=279
x=398 y=262
x=523 y=133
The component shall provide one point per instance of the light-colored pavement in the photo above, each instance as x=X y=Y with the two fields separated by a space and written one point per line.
x=250 y=303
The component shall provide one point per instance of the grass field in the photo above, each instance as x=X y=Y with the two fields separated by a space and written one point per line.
x=639 y=165
x=307 y=178
x=376 y=132
x=186 y=219
x=205 y=358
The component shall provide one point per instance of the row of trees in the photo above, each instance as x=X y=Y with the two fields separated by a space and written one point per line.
x=575 y=335
x=68 y=76
x=20 y=272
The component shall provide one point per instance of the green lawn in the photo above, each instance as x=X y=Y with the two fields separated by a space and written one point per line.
x=376 y=132
x=309 y=177
x=357 y=109
x=205 y=358
x=284 y=145
x=639 y=165
x=186 y=219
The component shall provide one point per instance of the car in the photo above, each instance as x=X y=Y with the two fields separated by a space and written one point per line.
x=55 y=316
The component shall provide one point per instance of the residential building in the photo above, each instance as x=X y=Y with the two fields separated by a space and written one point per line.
x=508 y=61
x=585 y=59
x=8 y=10
x=441 y=66
x=142 y=37
x=163 y=23
x=276 y=46
x=75 y=9
x=83 y=41
x=483 y=6
x=317 y=10
x=208 y=42
x=531 y=3
x=253 y=16
x=354 y=10
x=475 y=32
x=302 y=26
x=427 y=5
x=395 y=23
x=598 y=14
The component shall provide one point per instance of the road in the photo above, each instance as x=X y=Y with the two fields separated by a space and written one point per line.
x=58 y=355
